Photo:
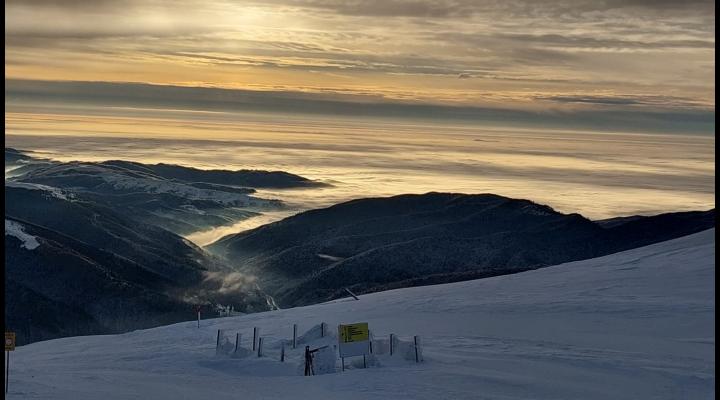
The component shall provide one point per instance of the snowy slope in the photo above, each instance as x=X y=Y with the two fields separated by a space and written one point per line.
x=109 y=179
x=16 y=229
x=49 y=190
x=633 y=325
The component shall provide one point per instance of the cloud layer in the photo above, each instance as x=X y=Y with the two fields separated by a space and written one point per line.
x=597 y=174
x=529 y=55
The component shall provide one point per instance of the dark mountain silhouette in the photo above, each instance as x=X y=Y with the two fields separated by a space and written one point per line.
x=380 y=243
x=94 y=270
x=13 y=156
x=243 y=178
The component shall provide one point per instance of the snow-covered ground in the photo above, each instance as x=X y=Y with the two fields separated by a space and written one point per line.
x=13 y=228
x=634 y=325
x=126 y=182
x=50 y=190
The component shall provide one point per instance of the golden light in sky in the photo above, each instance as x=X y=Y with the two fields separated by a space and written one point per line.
x=517 y=54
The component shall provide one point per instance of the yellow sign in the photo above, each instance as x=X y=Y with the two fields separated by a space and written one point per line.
x=9 y=341
x=354 y=333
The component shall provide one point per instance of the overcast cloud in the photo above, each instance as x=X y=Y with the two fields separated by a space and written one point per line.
x=535 y=56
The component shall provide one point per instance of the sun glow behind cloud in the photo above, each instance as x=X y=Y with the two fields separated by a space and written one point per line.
x=517 y=54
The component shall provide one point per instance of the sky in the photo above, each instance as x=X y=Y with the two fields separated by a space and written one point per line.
x=574 y=63
x=601 y=107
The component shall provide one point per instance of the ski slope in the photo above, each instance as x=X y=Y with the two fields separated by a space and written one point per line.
x=633 y=325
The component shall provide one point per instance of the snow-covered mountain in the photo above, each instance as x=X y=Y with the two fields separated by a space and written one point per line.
x=385 y=243
x=181 y=199
x=73 y=267
x=632 y=325
x=93 y=247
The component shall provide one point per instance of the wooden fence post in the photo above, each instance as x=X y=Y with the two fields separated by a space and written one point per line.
x=294 y=335
x=417 y=358
x=237 y=342
x=351 y=294
x=7 y=371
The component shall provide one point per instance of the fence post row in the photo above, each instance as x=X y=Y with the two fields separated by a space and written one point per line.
x=258 y=342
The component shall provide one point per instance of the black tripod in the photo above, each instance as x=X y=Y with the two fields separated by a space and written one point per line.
x=309 y=369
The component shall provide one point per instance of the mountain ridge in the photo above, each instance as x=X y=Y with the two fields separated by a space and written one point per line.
x=181 y=199
x=370 y=244
x=102 y=272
